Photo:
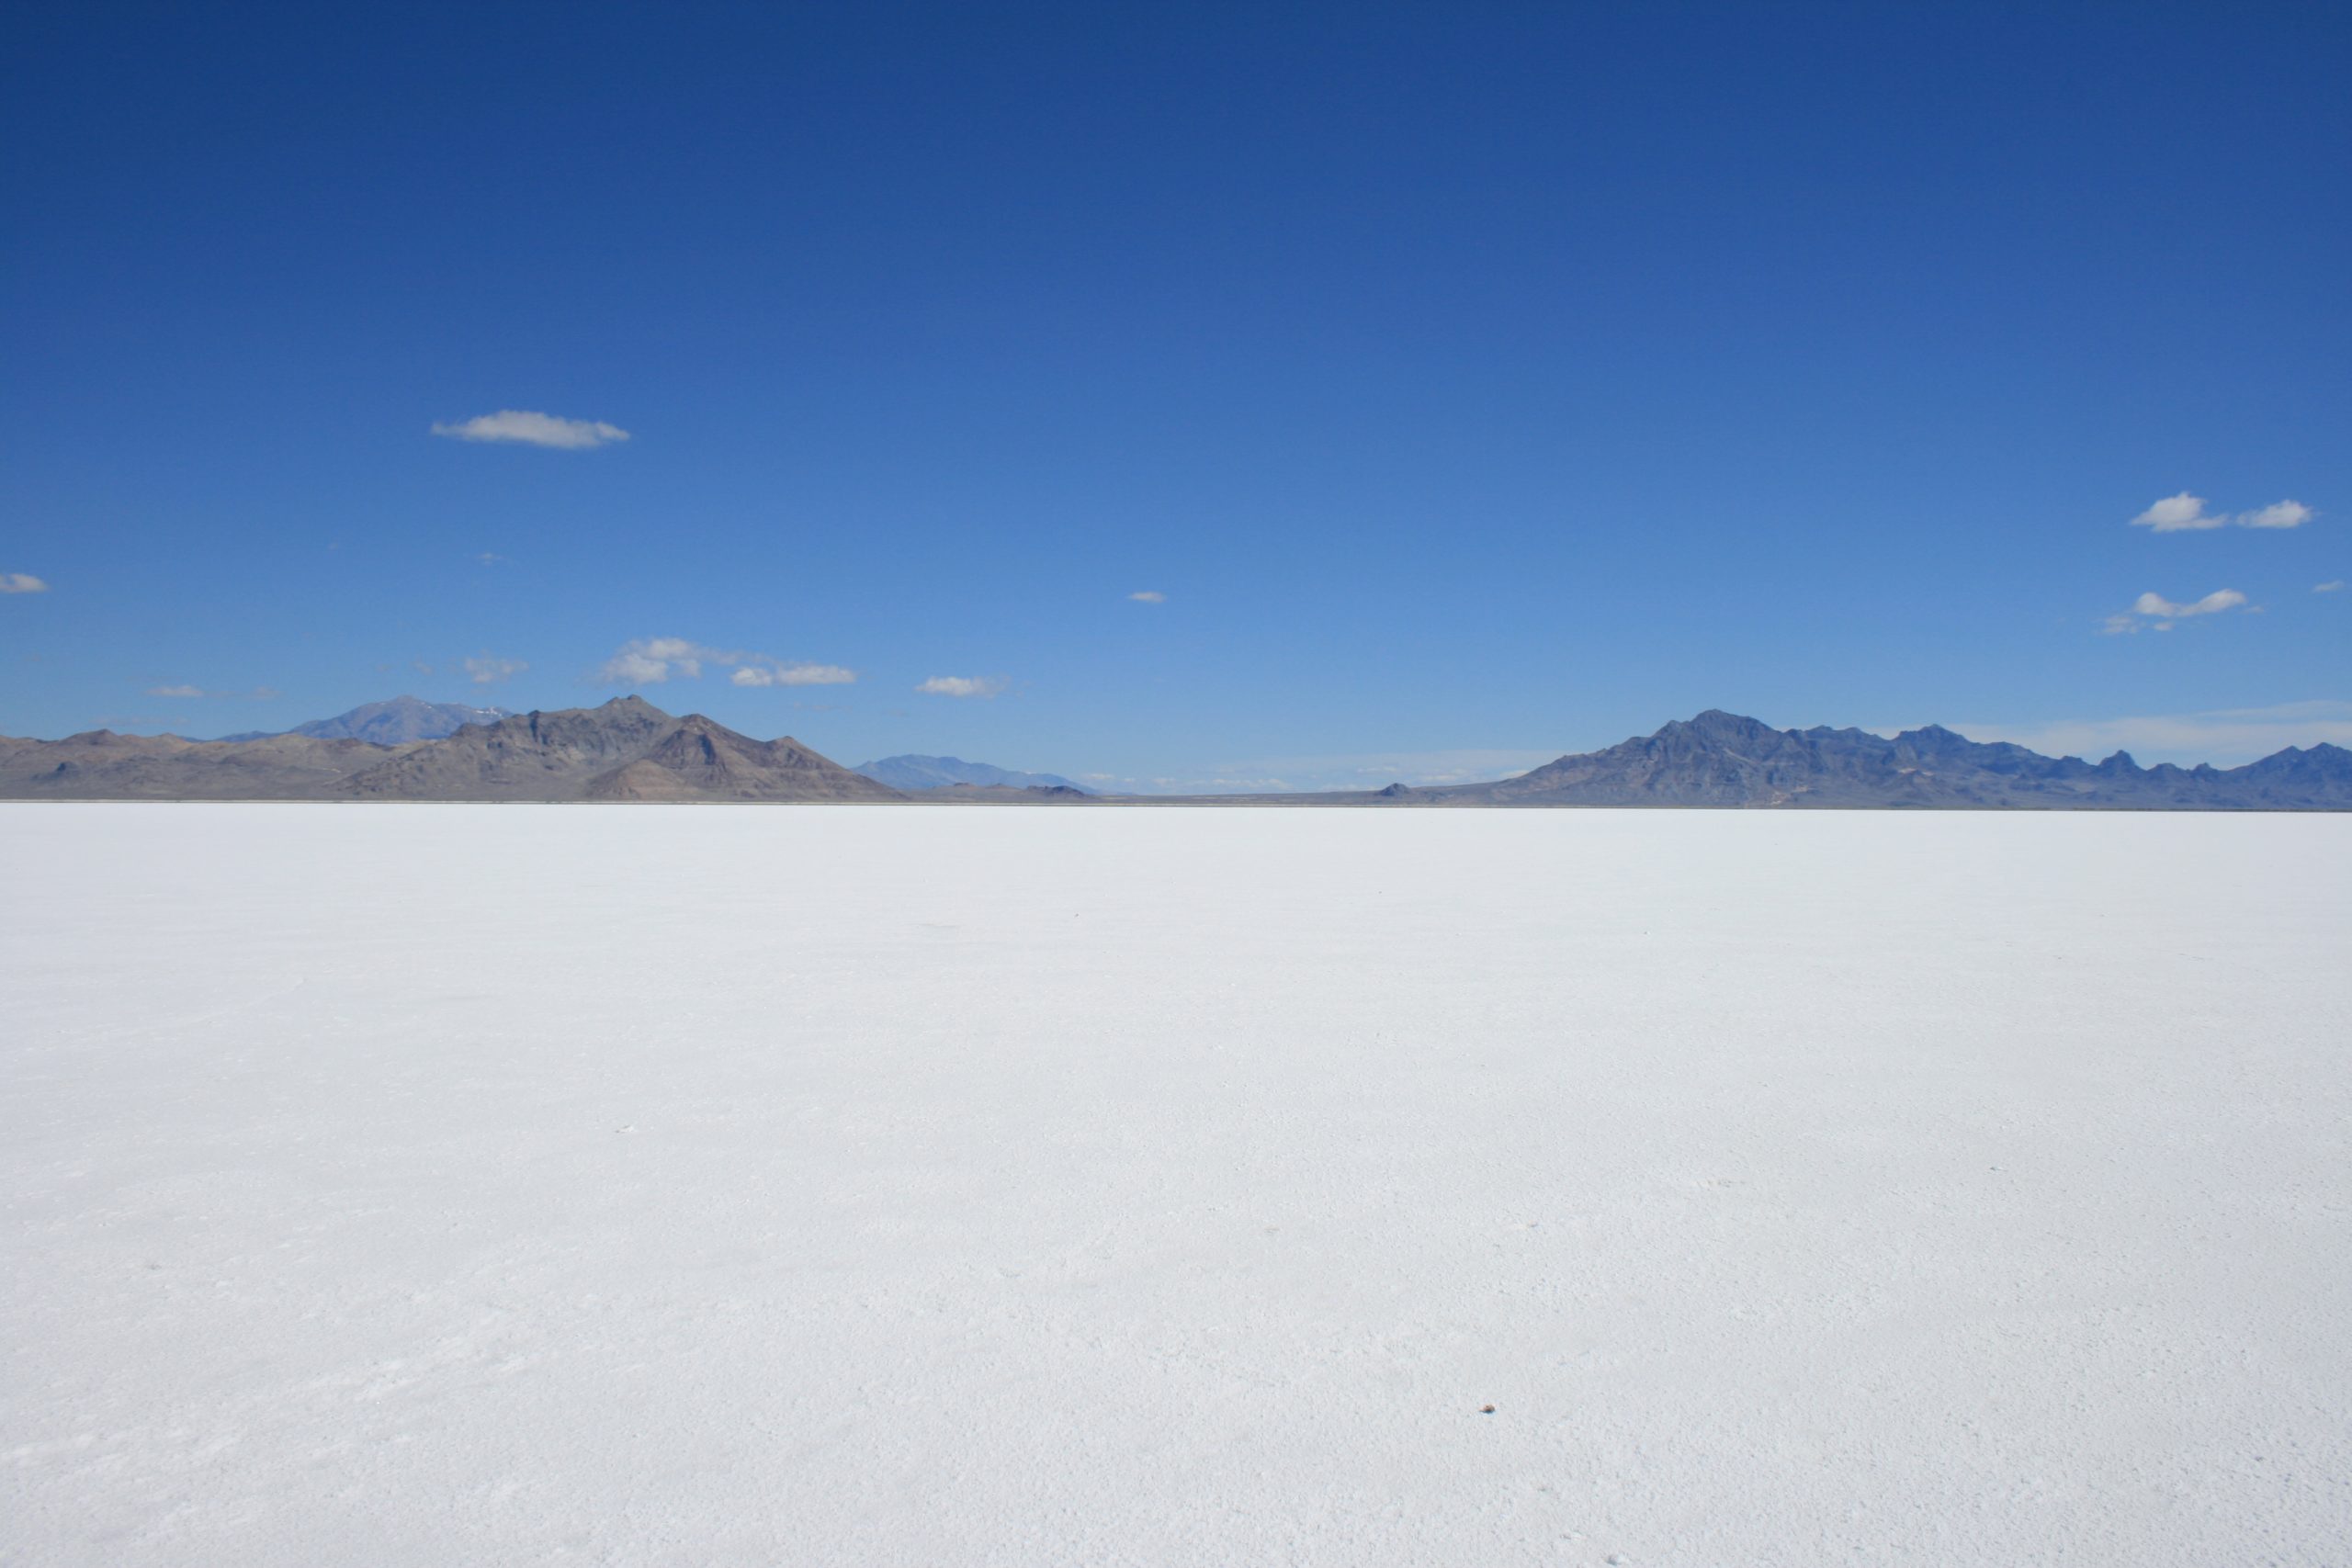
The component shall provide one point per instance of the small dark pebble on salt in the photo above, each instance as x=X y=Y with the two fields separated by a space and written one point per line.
x=1486 y=1410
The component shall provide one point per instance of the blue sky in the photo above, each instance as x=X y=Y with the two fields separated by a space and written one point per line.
x=1473 y=382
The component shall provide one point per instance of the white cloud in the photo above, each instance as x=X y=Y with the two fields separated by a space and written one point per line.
x=534 y=430
x=1149 y=596
x=486 y=670
x=793 y=675
x=2178 y=514
x=2185 y=513
x=650 y=660
x=2278 y=515
x=2155 y=610
x=2335 y=587
x=175 y=691
x=21 y=582
x=962 y=686
x=2223 y=737
x=491 y=558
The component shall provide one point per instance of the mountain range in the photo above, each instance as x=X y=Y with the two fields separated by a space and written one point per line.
x=1723 y=760
x=628 y=750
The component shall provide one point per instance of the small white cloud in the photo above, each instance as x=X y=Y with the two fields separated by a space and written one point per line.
x=491 y=558
x=793 y=675
x=2160 y=614
x=2278 y=515
x=1148 y=596
x=2213 y=603
x=175 y=691
x=534 y=430
x=2178 y=514
x=962 y=686
x=21 y=582
x=2335 y=587
x=2186 y=513
x=485 y=670
x=650 y=660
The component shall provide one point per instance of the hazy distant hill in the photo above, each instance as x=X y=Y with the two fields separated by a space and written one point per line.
x=101 y=765
x=391 y=723
x=911 y=771
x=1722 y=759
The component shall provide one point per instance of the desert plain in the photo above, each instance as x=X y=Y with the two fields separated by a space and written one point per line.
x=417 y=1185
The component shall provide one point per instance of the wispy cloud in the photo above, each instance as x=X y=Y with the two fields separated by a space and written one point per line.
x=2335 y=587
x=2184 y=513
x=258 y=695
x=491 y=558
x=2223 y=737
x=484 y=669
x=962 y=686
x=2213 y=603
x=2155 y=611
x=793 y=675
x=1148 y=596
x=652 y=661
x=532 y=429
x=21 y=582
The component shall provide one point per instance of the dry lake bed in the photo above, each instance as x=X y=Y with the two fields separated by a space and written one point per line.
x=503 y=1185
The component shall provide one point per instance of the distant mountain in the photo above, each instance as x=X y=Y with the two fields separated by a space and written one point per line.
x=391 y=723
x=1722 y=759
x=912 y=773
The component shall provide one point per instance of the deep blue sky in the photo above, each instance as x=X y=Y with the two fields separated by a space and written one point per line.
x=1476 y=382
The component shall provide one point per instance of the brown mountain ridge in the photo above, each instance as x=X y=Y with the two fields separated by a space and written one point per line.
x=626 y=750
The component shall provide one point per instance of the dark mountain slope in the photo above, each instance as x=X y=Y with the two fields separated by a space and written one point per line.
x=702 y=759
x=1723 y=760
x=532 y=756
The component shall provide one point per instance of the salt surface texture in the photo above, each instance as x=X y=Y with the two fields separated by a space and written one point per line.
x=438 y=1185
